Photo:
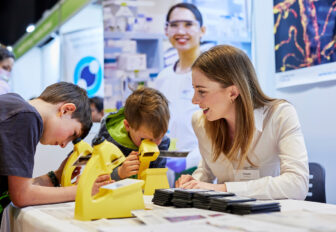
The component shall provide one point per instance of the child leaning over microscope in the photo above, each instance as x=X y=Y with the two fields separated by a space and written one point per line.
x=145 y=116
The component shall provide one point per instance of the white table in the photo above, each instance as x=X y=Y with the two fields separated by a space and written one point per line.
x=296 y=215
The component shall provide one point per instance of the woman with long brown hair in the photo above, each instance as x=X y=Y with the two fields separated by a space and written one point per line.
x=251 y=143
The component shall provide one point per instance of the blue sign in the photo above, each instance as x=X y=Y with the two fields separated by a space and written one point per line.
x=89 y=70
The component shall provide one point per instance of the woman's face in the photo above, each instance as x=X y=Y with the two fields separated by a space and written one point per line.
x=7 y=64
x=215 y=101
x=183 y=30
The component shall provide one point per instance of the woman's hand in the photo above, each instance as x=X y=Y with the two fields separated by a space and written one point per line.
x=188 y=182
x=196 y=184
x=130 y=166
x=183 y=180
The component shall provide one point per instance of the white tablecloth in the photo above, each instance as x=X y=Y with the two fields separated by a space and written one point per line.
x=297 y=215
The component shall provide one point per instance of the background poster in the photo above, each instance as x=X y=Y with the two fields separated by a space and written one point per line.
x=83 y=60
x=304 y=37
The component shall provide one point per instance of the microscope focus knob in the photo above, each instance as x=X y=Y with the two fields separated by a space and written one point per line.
x=75 y=141
x=98 y=140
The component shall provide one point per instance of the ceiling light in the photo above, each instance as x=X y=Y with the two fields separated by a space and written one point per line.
x=30 y=28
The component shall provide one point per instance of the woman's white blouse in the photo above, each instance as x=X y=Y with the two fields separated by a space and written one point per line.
x=278 y=151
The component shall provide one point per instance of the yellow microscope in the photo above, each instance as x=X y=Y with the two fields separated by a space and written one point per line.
x=115 y=200
x=155 y=178
x=81 y=149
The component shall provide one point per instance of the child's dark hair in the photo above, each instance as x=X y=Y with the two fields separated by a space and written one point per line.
x=98 y=102
x=71 y=93
x=148 y=107
x=190 y=7
x=5 y=53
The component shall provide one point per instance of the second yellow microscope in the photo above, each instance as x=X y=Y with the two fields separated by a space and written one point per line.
x=155 y=178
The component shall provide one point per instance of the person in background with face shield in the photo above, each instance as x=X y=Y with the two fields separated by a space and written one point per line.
x=184 y=29
x=6 y=65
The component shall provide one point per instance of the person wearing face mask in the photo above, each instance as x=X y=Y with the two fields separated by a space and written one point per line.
x=184 y=29
x=6 y=65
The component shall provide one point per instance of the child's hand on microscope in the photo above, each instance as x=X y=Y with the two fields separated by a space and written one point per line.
x=101 y=181
x=130 y=166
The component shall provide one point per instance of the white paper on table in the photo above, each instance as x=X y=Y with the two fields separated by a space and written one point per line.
x=174 y=215
x=166 y=228
x=301 y=219
x=249 y=225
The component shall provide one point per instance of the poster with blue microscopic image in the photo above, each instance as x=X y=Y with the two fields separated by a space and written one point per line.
x=83 y=60
x=304 y=41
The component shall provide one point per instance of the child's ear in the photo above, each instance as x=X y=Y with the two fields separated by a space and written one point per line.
x=127 y=125
x=67 y=108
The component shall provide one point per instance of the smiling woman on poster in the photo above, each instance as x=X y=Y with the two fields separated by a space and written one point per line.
x=184 y=29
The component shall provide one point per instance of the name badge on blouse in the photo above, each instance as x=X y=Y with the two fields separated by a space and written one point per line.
x=247 y=174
